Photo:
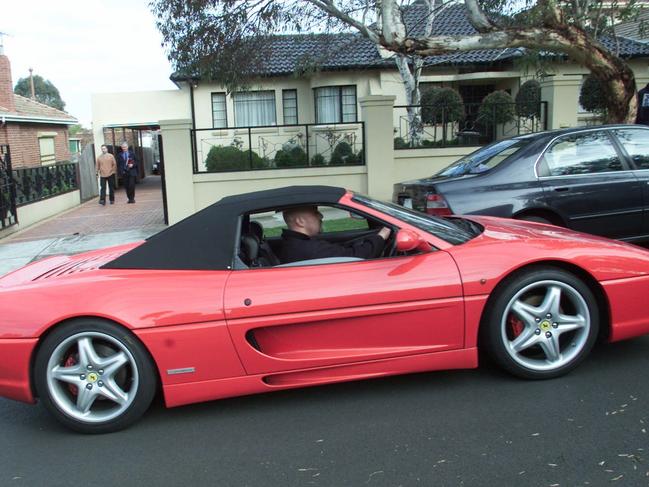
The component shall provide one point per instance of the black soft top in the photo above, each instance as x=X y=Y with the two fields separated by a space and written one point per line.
x=207 y=240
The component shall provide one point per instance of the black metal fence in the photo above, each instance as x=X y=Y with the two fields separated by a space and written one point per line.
x=278 y=147
x=470 y=124
x=38 y=183
x=7 y=190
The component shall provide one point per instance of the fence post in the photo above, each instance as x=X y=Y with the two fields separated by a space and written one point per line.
x=179 y=178
x=377 y=114
x=561 y=91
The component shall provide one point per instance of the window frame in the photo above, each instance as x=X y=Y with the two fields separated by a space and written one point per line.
x=225 y=108
x=542 y=170
x=341 y=105
x=234 y=104
x=628 y=157
x=47 y=159
x=297 y=119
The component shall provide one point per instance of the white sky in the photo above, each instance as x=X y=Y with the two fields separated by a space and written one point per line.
x=84 y=47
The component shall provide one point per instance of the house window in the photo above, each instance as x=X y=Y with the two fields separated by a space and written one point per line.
x=289 y=103
x=335 y=104
x=254 y=108
x=219 y=113
x=47 y=151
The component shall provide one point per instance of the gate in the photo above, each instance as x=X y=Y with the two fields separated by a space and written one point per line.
x=7 y=190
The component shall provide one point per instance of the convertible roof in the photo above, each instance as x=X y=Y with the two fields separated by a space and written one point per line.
x=207 y=240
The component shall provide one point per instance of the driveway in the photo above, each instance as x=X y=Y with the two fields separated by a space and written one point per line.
x=88 y=226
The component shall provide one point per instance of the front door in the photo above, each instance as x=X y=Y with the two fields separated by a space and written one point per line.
x=635 y=144
x=288 y=318
x=588 y=183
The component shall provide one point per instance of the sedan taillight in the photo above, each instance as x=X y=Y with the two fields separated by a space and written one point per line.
x=437 y=205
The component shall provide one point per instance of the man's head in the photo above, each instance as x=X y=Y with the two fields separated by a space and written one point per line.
x=124 y=146
x=304 y=219
x=104 y=149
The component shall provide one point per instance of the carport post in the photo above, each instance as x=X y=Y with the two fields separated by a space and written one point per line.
x=377 y=114
x=177 y=152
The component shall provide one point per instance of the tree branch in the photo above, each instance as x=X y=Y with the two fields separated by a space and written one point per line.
x=327 y=6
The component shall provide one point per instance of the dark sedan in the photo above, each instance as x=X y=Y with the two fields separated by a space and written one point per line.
x=590 y=179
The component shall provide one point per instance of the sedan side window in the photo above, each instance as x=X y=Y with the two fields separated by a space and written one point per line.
x=636 y=143
x=585 y=153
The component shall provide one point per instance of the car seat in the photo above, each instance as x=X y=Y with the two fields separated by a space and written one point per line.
x=266 y=257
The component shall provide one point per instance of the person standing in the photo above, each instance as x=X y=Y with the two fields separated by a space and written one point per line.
x=128 y=171
x=643 y=106
x=106 y=170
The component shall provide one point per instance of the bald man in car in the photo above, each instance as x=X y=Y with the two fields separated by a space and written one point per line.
x=305 y=223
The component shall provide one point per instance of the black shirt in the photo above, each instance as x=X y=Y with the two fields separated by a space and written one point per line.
x=297 y=246
x=643 y=106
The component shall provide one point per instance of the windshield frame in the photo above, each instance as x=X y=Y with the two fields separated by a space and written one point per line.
x=441 y=228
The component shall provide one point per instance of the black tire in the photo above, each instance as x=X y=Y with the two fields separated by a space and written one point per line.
x=71 y=381
x=540 y=323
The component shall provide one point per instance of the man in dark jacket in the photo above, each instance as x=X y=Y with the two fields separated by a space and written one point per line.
x=643 y=106
x=305 y=222
x=127 y=165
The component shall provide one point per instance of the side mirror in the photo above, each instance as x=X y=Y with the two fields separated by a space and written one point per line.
x=408 y=240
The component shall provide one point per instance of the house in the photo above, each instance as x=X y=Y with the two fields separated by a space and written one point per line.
x=312 y=113
x=35 y=155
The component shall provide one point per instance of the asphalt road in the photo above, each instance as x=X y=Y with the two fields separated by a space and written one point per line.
x=459 y=428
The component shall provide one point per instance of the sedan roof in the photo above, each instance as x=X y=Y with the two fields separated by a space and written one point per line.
x=207 y=239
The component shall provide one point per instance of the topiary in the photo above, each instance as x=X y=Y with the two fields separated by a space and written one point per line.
x=496 y=108
x=318 y=160
x=592 y=96
x=528 y=99
x=400 y=143
x=342 y=153
x=293 y=156
x=231 y=158
x=442 y=105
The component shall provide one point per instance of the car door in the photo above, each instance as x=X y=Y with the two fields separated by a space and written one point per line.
x=588 y=183
x=298 y=317
x=635 y=144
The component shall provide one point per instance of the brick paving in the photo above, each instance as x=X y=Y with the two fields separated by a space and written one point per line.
x=91 y=218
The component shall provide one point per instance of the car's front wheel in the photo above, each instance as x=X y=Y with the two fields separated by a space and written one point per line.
x=94 y=376
x=541 y=323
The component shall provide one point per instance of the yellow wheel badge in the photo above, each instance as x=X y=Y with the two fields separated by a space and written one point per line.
x=92 y=377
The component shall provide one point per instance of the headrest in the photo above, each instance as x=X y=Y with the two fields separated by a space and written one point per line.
x=257 y=229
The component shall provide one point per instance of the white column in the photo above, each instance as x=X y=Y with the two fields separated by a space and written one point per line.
x=179 y=174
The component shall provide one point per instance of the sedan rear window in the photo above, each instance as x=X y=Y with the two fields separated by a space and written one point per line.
x=484 y=159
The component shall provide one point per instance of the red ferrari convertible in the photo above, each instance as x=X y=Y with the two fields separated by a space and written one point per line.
x=203 y=310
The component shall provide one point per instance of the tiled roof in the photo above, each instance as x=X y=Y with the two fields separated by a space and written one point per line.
x=631 y=29
x=288 y=53
x=26 y=107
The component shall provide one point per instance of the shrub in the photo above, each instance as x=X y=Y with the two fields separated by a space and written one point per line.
x=496 y=108
x=318 y=160
x=400 y=143
x=442 y=105
x=293 y=156
x=592 y=95
x=231 y=158
x=343 y=154
x=528 y=99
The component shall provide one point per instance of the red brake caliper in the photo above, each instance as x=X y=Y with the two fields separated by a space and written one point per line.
x=70 y=361
x=516 y=326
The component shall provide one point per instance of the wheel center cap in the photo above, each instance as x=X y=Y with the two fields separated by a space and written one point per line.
x=545 y=325
x=92 y=377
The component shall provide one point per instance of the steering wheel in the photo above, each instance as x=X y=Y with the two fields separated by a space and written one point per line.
x=389 y=247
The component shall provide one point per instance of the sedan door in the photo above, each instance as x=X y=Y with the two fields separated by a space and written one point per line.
x=589 y=184
x=298 y=317
x=635 y=143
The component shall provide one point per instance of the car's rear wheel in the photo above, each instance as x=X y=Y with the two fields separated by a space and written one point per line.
x=541 y=324
x=94 y=376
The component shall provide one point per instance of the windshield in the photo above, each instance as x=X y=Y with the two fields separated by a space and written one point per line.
x=484 y=159
x=452 y=230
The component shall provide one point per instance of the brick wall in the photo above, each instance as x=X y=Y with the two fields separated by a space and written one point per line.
x=24 y=145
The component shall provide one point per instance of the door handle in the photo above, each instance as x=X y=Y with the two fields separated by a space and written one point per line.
x=562 y=189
